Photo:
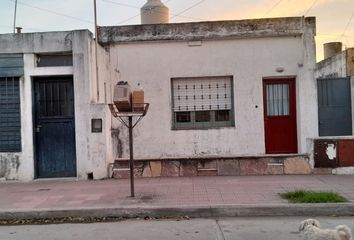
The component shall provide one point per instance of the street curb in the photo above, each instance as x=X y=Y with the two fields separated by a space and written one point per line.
x=346 y=209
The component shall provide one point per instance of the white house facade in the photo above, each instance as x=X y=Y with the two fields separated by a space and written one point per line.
x=265 y=63
x=226 y=98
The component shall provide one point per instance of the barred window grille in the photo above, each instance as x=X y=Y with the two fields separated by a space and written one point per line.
x=203 y=102
x=10 y=117
x=212 y=93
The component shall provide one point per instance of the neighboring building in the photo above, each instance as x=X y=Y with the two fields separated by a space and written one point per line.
x=335 y=82
x=227 y=98
x=48 y=98
x=336 y=63
x=335 y=77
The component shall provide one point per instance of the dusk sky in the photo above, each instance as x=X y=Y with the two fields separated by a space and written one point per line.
x=335 y=18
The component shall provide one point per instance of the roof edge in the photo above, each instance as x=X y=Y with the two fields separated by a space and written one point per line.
x=265 y=27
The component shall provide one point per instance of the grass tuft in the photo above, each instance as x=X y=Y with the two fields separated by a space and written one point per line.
x=302 y=196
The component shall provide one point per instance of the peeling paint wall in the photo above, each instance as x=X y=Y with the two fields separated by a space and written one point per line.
x=248 y=60
x=9 y=166
x=331 y=151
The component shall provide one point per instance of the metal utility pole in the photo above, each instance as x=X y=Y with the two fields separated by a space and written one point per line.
x=131 y=156
x=96 y=49
x=15 y=16
x=130 y=125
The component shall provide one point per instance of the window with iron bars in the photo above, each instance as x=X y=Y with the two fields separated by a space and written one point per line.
x=10 y=115
x=202 y=102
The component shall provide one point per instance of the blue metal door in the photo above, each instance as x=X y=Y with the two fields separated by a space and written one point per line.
x=55 y=127
x=334 y=107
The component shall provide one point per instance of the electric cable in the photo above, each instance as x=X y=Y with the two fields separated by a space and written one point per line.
x=187 y=9
x=348 y=24
x=52 y=12
x=126 y=20
x=309 y=9
x=136 y=7
x=334 y=35
x=271 y=9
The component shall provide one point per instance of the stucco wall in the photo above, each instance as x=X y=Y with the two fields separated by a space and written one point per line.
x=36 y=42
x=350 y=61
x=335 y=66
x=153 y=64
x=103 y=81
x=9 y=165
x=91 y=149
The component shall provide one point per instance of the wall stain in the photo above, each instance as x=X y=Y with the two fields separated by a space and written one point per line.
x=9 y=165
x=117 y=143
x=3 y=167
x=67 y=40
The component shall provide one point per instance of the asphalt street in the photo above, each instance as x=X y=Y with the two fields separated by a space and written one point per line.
x=271 y=228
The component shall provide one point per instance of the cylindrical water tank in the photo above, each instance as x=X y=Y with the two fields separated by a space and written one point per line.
x=154 y=12
x=331 y=49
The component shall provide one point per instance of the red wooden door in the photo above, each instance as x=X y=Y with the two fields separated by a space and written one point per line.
x=280 y=115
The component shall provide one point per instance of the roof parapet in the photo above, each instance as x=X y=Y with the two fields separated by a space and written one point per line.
x=253 y=28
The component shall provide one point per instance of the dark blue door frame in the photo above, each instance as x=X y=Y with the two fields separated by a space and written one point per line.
x=54 y=127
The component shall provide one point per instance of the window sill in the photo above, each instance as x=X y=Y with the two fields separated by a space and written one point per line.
x=206 y=128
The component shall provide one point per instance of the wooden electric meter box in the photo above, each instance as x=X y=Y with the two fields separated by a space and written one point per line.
x=138 y=101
